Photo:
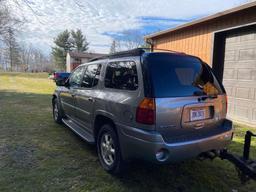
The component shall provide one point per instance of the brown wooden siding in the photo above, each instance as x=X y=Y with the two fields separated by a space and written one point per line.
x=197 y=39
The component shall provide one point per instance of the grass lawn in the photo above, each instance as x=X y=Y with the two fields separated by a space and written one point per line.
x=38 y=155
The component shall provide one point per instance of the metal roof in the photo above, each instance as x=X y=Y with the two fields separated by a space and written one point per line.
x=208 y=18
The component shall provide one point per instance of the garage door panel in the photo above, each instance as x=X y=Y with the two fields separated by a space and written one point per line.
x=254 y=115
x=247 y=54
x=240 y=64
x=248 y=37
x=239 y=77
x=247 y=45
x=239 y=83
x=242 y=109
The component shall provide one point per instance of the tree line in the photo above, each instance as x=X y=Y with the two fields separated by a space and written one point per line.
x=15 y=56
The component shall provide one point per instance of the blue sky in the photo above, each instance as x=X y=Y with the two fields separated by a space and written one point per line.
x=105 y=20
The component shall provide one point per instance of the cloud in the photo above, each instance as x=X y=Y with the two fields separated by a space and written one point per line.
x=103 y=20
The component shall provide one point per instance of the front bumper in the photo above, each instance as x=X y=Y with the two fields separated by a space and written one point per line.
x=141 y=144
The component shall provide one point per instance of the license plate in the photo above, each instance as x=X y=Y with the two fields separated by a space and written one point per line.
x=196 y=115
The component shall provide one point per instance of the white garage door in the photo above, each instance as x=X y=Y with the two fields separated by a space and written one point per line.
x=240 y=75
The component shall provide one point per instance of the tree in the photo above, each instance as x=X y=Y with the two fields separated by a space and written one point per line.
x=63 y=45
x=79 y=41
x=133 y=39
x=34 y=59
x=113 y=47
x=7 y=20
x=130 y=40
x=12 y=50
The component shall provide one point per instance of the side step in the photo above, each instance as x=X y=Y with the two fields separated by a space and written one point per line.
x=79 y=131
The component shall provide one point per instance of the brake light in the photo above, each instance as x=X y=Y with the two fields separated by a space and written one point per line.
x=146 y=111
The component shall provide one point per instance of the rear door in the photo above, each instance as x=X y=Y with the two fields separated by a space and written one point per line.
x=190 y=103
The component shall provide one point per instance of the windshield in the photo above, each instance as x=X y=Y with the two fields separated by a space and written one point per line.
x=175 y=75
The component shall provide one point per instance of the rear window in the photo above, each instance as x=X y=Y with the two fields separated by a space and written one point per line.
x=178 y=76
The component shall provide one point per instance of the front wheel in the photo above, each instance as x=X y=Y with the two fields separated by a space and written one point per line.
x=109 y=150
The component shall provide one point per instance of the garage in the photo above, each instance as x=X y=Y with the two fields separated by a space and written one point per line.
x=227 y=42
x=239 y=76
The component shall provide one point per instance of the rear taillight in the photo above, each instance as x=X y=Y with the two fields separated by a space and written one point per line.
x=146 y=111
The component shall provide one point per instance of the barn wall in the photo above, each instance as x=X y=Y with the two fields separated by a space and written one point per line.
x=197 y=39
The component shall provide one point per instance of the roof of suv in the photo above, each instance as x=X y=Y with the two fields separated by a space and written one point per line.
x=134 y=52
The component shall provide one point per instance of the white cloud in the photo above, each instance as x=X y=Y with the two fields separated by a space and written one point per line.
x=96 y=17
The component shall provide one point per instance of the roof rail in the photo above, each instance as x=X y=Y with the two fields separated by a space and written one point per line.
x=171 y=51
x=132 y=52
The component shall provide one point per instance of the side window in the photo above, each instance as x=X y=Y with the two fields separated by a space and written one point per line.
x=76 y=77
x=91 y=76
x=121 y=75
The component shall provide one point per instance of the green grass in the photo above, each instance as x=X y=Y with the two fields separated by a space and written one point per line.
x=38 y=155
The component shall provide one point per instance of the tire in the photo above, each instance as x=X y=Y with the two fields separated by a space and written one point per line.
x=56 y=112
x=108 y=137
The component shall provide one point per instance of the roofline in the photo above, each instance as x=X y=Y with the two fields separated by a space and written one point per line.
x=204 y=19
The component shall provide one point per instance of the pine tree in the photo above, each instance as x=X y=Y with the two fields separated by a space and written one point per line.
x=63 y=45
x=79 y=41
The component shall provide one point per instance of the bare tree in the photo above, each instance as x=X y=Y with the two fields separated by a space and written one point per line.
x=115 y=46
x=12 y=50
x=34 y=60
x=7 y=20
x=132 y=39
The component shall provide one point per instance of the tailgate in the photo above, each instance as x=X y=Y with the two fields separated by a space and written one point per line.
x=176 y=121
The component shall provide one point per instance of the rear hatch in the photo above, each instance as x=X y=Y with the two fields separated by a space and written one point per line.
x=190 y=102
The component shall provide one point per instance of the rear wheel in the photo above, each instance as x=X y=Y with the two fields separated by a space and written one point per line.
x=57 y=116
x=109 y=150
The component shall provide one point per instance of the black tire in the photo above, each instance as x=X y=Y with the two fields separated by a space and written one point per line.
x=56 y=112
x=118 y=164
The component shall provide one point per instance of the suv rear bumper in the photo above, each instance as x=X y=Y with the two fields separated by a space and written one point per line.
x=137 y=143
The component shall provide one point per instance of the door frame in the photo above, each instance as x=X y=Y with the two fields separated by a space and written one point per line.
x=218 y=47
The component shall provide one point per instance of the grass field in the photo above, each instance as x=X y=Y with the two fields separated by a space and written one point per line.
x=38 y=155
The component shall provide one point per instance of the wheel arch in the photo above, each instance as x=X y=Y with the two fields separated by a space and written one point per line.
x=101 y=119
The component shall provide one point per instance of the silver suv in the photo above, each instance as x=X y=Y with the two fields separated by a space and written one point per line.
x=157 y=106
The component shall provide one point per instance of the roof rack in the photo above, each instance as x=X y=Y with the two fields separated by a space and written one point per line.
x=132 y=52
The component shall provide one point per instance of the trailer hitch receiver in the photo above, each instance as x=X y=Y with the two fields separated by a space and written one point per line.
x=245 y=166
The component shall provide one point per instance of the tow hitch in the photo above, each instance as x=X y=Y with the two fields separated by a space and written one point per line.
x=246 y=167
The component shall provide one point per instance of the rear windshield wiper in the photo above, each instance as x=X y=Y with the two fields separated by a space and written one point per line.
x=207 y=97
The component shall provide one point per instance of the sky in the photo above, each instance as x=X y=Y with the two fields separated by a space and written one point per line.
x=104 y=20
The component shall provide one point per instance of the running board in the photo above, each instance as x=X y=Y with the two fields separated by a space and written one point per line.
x=79 y=131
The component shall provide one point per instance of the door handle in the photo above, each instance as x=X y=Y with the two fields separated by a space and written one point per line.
x=91 y=99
